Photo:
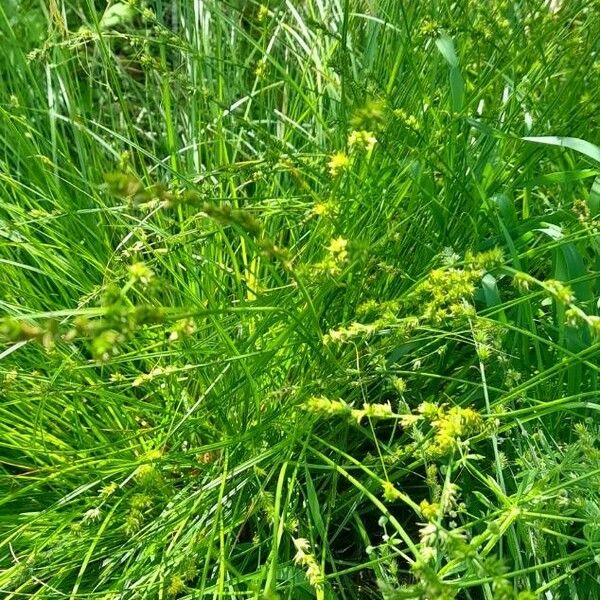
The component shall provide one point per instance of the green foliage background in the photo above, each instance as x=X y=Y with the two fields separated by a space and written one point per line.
x=242 y=357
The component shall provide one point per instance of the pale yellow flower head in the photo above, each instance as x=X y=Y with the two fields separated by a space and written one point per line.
x=362 y=140
x=338 y=162
x=338 y=245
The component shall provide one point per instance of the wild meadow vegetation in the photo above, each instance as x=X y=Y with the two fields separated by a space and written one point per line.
x=299 y=299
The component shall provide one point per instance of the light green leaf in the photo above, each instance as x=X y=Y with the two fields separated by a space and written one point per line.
x=117 y=14
x=561 y=177
x=491 y=294
x=457 y=85
x=594 y=199
x=588 y=149
x=551 y=230
x=446 y=47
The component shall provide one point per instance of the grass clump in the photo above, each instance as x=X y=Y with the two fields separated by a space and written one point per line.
x=299 y=300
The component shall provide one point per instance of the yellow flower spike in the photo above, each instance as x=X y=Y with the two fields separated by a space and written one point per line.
x=141 y=272
x=430 y=410
x=430 y=510
x=338 y=162
x=357 y=415
x=321 y=209
x=260 y=70
x=263 y=13
x=390 y=493
x=362 y=140
x=153 y=455
x=338 y=246
x=305 y=558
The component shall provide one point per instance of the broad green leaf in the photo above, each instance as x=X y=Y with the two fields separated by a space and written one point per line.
x=594 y=198
x=551 y=230
x=506 y=209
x=120 y=13
x=588 y=149
x=446 y=47
x=561 y=177
x=313 y=505
x=570 y=267
x=457 y=85
x=457 y=89
x=491 y=294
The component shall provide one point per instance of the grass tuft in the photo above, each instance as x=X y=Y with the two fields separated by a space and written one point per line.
x=299 y=299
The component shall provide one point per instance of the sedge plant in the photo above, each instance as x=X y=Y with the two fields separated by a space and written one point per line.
x=299 y=299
